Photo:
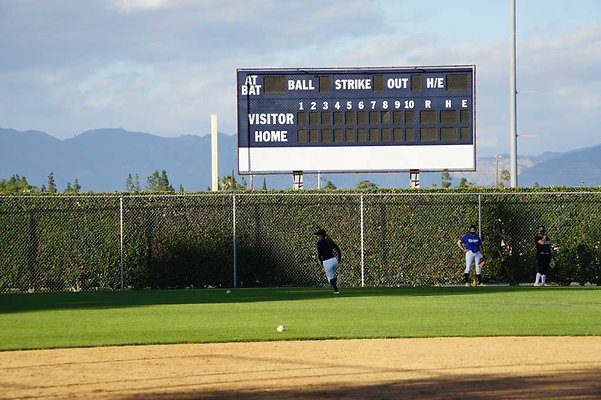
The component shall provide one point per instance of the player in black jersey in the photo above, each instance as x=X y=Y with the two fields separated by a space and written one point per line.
x=543 y=256
x=329 y=256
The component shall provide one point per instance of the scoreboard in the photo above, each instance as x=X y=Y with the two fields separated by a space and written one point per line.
x=356 y=119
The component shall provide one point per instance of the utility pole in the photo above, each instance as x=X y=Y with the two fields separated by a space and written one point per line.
x=497 y=170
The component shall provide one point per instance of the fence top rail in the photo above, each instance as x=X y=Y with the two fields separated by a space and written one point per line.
x=419 y=194
x=331 y=194
x=116 y=196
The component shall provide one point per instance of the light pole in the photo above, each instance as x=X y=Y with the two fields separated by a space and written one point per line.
x=513 y=139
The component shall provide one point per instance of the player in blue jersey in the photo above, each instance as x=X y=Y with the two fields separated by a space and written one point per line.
x=329 y=256
x=471 y=244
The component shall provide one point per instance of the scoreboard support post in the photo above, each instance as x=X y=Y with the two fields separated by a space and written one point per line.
x=297 y=179
x=414 y=178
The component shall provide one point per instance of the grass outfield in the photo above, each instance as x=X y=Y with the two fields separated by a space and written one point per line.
x=54 y=320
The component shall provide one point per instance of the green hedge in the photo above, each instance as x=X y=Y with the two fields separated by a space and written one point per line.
x=173 y=241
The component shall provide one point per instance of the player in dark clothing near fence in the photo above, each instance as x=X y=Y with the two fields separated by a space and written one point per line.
x=329 y=256
x=543 y=256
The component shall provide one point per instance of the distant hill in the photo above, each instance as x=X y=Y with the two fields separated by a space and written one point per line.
x=487 y=167
x=574 y=168
x=101 y=159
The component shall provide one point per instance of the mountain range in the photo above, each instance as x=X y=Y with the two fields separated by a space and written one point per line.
x=101 y=160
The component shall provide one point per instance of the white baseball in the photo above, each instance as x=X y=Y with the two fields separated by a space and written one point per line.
x=281 y=328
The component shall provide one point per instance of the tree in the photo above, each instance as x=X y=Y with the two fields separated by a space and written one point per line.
x=164 y=185
x=505 y=177
x=366 y=185
x=445 y=178
x=463 y=182
x=181 y=188
x=329 y=185
x=137 y=183
x=51 y=184
x=152 y=182
x=264 y=187
x=75 y=188
x=230 y=183
x=15 y=184
x=159 y=182
x=129 y=183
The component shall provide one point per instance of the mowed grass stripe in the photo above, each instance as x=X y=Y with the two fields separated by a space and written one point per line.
x=54 y=320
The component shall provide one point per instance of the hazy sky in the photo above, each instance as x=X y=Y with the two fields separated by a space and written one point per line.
x=163 y=66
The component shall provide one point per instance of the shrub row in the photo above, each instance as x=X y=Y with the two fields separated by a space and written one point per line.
x=175 y=241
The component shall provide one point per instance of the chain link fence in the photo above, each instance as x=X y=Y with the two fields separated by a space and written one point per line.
x=57 y=243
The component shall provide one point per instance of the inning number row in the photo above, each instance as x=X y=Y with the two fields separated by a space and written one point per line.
x=361 y=105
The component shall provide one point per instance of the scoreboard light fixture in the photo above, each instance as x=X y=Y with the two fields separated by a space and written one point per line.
x=356 y=119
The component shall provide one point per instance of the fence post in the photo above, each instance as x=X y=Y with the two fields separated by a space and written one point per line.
x=234 y=236
x=480 y=214
x=362 y=252
x=121 y=240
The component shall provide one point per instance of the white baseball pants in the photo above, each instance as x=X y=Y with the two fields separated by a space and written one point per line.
x=330 y=266
x=471 y=257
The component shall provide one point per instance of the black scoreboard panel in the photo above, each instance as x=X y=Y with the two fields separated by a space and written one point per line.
x=338 y=109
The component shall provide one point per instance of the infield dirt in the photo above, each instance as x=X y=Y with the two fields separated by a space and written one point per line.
x=437 y=368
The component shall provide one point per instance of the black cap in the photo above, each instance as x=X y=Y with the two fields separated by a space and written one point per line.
x=320 y=232
x=541 y=229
